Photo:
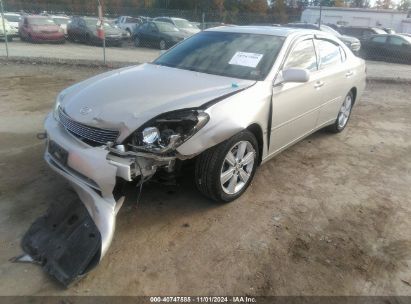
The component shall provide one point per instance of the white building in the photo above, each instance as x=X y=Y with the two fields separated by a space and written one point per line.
x=396 y=20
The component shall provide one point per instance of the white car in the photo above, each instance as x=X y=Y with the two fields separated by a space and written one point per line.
x=183 y=25
x=14 y=20
x=7 y=29
x=61 y=21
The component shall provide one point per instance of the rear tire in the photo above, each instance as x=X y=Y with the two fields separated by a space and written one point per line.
x=224 y=172
x=344 y=114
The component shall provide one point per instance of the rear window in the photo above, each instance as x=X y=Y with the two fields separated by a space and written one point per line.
x=379 y=39
x=329 y=53
x=41 y=21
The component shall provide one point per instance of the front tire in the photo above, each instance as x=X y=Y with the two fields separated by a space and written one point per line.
x=224 y=172
x=344 y=114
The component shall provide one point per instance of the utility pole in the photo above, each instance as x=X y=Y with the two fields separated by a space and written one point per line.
x=4 y=28
x=100 y=28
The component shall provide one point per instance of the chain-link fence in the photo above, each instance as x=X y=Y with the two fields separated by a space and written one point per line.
x=76 y=30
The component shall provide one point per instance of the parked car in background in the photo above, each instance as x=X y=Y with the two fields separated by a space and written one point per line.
x=36 y=28
x=353 y=43
x=392 y=48
x=61 y=21
x=162 y=35
x=388 y=30
x=10 y=31
x=361 y=32
x=128 y=23
x=13 y=19
x=84 y=29
x=182 y=24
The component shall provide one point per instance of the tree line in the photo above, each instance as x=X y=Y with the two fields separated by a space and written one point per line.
x=275 y=10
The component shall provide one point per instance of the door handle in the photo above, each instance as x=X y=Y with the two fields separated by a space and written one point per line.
x=319 y=84
x=349 y=74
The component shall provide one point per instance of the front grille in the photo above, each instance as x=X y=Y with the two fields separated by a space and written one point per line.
x=89 y=135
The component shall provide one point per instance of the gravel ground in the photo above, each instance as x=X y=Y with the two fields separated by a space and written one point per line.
x=329 y=216
x=78 y=51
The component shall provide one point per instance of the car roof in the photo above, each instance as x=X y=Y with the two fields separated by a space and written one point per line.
x=12 y=14
x=267 y=30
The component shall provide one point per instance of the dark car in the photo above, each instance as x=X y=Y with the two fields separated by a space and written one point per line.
x=393 y=48
x=361 y=32
x=84 y=29
x=158 y=34
x=36 y=28
x=353 y=43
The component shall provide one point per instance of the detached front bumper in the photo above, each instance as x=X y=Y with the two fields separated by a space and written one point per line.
x=55 y=238
x=90 y=173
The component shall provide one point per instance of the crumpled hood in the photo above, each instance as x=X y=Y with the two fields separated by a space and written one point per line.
x=126 y=98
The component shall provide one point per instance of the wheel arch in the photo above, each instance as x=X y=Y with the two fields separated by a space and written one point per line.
x=354 y=93
x=257 y=131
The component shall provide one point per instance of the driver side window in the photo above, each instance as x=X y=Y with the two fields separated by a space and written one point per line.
x=302 y=56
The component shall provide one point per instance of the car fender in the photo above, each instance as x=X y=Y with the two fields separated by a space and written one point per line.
x=232 y=115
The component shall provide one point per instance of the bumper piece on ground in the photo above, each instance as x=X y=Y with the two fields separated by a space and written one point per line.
x=65 y=241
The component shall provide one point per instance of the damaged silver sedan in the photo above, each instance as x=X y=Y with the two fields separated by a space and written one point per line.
x=230 y=98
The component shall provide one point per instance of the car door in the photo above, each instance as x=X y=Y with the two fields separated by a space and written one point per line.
x=143 y=33
x=336 y=77
x=295 y=105
x=153 y=34
x=24 y=28
x=377 y=47
x=398 y=48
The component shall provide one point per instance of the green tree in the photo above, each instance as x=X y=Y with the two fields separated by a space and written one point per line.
x=404 y=5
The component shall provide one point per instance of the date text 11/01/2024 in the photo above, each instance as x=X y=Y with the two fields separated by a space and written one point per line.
x=239 y=299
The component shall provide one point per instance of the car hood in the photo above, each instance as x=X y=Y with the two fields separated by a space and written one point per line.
x=349 y=39
x=190 y=31
x=125 y=99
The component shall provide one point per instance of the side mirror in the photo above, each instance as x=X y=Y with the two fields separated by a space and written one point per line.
x=293 y=75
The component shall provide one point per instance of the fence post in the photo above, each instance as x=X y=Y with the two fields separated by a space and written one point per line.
x=4 y=28
x=202 y=21
x=101 y=18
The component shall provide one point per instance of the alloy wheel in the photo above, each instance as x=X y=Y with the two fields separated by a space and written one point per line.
x=345 y=112
x=237 y=167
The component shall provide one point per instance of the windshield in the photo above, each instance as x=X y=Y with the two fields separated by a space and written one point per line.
x=12 y=18
x=61 y=20
x=166 y=27
x=330 y=30
x=41 y=21
x=238 y=55
x=406 y=38
x=182 y=23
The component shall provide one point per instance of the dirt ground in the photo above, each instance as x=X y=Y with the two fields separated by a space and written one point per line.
x=329 y=216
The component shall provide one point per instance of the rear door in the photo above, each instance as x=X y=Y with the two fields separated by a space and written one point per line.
x=336 y=77
x=398 y=48
x=295 y=105
x=377 y=47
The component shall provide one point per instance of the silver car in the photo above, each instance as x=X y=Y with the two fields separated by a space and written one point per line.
x=229 y=97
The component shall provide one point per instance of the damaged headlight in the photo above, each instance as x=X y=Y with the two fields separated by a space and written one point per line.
x=167 y=131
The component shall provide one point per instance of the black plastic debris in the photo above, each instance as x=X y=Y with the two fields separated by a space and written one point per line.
x=65 y=242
